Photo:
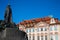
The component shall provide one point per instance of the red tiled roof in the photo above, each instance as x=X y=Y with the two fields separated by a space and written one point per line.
x=45 y=19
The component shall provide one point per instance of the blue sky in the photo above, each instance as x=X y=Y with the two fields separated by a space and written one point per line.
x=29 y=9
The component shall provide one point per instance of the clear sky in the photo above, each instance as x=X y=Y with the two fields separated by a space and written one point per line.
x=29 y=9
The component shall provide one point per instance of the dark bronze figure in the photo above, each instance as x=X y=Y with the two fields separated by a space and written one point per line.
x=8 y=14
x=9 y=30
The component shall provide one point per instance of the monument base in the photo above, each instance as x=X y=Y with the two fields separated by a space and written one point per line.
x=12 y=34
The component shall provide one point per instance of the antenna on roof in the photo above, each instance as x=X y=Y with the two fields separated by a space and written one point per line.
x=51 y=16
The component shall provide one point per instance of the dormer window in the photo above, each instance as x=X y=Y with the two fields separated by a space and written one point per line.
x=52 y=20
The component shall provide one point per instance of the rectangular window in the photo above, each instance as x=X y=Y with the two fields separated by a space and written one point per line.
x=41 y=29
x=32 y=30
x=45 y=29
x=37 y=29
x=55 y=28
x=29 y=30
x=38 y=37
x=33 y=37
x=29 y=37
x=56 y=37
x=51 y=37
x=50 y=28
x=41 y=37
x=45 y=37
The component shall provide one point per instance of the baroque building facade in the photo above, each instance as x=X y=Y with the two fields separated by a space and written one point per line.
x=46 y=28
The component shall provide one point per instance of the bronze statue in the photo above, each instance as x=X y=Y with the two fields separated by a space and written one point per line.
x=9 y=30
x=8 y=15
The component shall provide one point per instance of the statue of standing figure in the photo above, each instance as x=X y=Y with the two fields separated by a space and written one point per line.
x=8 y=15
x=8 y=28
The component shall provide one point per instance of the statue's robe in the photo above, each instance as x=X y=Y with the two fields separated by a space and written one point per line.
x=13 y=34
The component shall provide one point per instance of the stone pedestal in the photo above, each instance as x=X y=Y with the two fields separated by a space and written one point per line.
x=12 y=34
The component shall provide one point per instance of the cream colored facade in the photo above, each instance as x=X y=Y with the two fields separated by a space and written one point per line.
x=43 y=31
